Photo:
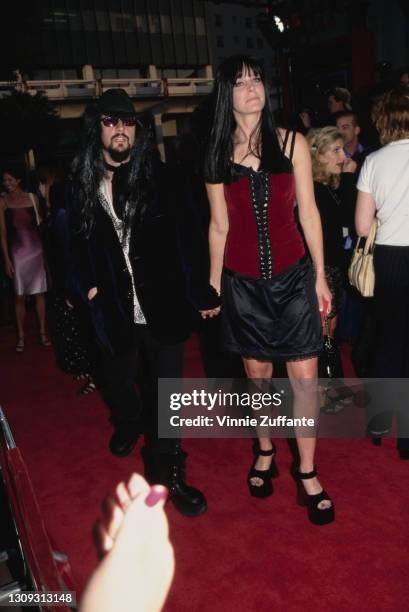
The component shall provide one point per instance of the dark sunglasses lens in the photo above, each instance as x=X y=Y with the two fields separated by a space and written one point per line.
x=110 y=121
x=129 y=121
x=113 y=121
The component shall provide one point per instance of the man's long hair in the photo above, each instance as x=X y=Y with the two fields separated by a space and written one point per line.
x=88 y=170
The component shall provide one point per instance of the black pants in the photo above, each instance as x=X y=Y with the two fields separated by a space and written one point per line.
x=391 y=301
x=146 y=361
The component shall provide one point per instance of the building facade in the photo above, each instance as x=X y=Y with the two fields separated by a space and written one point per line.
x=233 y=28
x=119 y=38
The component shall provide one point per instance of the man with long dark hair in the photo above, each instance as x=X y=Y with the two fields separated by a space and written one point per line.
x=131 y=272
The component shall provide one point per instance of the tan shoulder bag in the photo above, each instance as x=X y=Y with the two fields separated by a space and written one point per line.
x=361 y=272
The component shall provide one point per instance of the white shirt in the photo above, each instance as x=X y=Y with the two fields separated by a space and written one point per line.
x=107 y=204
x=385 y=175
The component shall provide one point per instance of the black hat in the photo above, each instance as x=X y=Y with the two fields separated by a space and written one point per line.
x=115 y=102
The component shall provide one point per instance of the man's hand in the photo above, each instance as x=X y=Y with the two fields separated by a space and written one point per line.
x=92 y=293
x=209 y=314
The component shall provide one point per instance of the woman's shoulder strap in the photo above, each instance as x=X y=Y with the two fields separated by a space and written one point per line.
x=34 y=203
x=289 y=135
x=285 y=141
x=292 y=145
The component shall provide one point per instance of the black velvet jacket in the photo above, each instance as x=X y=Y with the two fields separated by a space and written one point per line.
x=168 y=255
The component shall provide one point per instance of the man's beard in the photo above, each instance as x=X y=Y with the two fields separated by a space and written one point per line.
x=119 y=156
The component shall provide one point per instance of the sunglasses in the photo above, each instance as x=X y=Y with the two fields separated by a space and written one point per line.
x=113 y=121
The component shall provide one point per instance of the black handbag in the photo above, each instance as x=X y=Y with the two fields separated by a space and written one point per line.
x=329 y=362
x=330 y=367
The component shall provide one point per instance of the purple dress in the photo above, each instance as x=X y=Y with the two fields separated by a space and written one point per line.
x=26 y=251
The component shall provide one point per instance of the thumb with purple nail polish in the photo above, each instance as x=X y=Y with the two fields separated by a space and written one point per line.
x=156 y=494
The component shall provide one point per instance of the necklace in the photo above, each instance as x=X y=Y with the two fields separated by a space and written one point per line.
x=333 y=195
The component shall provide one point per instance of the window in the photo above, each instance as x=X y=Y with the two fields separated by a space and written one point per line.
x=219 y=42
x=218 y=20
x=189 y=25
x=167 y=73
x=88 y=18
x=103 y=24
x=200 y=26
x=128 y=22
x=248 y=21
x=141 y=23
x=177 y=23
x=236 y=40
x=165 y=24
x=234 y=18
x=260 y=43
x=116 y=22
x=250 y=44
x=154 y=24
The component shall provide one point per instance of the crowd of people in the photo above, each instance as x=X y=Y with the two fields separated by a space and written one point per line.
x=120 y=248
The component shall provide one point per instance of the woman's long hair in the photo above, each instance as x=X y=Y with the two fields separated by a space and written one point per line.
x=263 y=141
x=88 y=171
x=319 y=141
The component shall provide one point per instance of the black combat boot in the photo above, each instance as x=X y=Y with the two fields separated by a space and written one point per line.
x=168 y=469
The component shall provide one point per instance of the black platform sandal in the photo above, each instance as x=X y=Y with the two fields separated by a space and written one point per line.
x=317 y=515
x=266 y=488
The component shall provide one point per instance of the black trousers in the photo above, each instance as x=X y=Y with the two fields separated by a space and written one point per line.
x=391 y=344
x=146 y=361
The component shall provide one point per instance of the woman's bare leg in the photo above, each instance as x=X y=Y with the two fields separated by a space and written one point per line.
x=256 y=369
x=20 y=306
x=303 y=377
x=40 y=308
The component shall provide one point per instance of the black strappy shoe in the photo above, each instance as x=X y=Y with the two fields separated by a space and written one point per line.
x=266 y=488
x=317 y=515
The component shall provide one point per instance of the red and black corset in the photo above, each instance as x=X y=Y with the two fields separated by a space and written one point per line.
x=263 y=238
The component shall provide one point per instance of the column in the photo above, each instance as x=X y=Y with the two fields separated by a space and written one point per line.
x=159 y=135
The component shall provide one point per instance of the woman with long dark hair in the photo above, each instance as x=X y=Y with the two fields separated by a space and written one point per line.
x=270 y=298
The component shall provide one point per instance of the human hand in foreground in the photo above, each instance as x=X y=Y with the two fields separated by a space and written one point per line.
x=137 y=564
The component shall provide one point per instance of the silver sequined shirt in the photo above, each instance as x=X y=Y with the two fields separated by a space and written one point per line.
x=123 y=237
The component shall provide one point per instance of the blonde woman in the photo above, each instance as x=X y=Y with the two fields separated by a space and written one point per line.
x=335 y=195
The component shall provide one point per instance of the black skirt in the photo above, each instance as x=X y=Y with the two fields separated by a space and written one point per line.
x=275 y=319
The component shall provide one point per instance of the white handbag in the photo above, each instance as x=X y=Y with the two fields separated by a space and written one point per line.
x=361 y=271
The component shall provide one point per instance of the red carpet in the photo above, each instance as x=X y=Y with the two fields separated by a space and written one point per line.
x=244 y=555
